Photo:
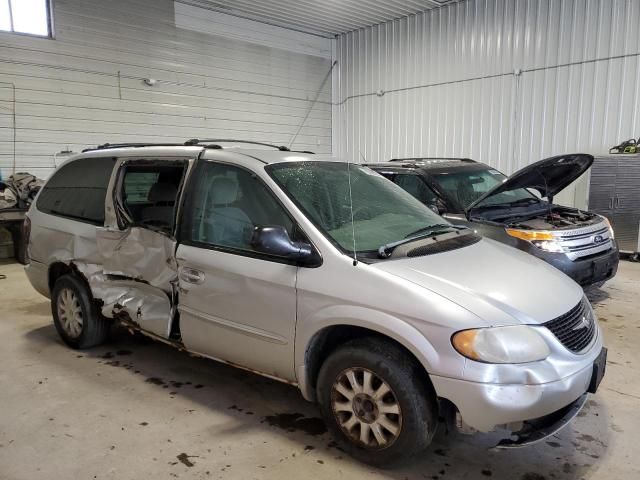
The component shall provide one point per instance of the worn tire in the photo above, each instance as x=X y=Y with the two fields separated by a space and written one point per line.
x=94 y=329
x=410 y=388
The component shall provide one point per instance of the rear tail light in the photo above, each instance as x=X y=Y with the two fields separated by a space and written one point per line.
x=26 y=234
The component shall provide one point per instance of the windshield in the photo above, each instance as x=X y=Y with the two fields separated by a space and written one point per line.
x=467 y=186
x=382 y=212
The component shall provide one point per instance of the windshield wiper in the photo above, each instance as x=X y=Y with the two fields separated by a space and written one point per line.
x=431 y=231
x=435 y=228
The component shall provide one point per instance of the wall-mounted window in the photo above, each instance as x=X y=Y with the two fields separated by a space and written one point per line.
x=32 y=17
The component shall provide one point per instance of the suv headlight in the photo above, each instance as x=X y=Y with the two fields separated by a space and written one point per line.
x=541 y=239
x=611 y=234
x=550 y=246
x=512 y=344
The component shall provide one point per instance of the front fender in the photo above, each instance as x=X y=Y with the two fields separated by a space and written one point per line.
x=377 y=321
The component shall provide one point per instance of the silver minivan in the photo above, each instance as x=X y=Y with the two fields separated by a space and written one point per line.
x=321 y=274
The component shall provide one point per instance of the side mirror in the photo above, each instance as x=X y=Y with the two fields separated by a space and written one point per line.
x=274 y=240
x=437 y=206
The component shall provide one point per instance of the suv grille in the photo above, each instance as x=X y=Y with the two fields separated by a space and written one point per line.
x=576 y=328
x=585 y=242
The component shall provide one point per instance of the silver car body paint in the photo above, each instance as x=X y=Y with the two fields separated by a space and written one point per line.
x=265 y=315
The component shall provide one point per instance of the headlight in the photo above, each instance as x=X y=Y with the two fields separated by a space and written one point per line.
x=513 y=344
x=541 y=239
x=550 y=246
x=611 y=234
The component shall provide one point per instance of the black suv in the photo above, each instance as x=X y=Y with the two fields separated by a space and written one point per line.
x=506 y=209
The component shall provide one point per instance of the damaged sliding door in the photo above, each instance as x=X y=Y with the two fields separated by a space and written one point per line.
x=138 y=280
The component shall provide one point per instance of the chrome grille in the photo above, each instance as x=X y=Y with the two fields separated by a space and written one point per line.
x=576 y=328
x=586 y=241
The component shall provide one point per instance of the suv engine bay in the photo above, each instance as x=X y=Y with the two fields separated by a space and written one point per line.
x=552 y=218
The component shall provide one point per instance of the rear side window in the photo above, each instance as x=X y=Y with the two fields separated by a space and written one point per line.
x=78 y=190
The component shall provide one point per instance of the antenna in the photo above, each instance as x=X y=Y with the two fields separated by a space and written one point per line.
x=353 y=228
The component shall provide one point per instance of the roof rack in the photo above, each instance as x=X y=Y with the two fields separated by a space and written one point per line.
x=419 y=159
x=197 y=141
x=194 y=142
x=106 y=146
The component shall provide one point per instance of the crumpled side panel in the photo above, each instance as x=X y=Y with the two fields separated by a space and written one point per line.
x=50 y=243
x=134 y=278
x=139 y=254
x=147 y=306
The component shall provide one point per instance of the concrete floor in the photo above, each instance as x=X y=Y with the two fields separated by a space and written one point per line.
x=138 y=409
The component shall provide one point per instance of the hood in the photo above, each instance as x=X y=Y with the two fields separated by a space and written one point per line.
x=499 y=284
x=549 y=176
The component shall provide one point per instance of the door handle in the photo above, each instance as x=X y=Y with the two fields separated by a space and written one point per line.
x=617 y=204
x=190 y=275
x=610 y=203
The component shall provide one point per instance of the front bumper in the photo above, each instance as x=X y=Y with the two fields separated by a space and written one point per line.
x=536 y=430
x=594 y=269
x=483 y=406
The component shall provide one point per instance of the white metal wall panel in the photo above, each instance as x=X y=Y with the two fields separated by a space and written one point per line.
x=85 y=86
x=445 y=82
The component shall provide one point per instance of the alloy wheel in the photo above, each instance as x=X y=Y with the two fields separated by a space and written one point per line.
x=70 y=313
x=366 y=408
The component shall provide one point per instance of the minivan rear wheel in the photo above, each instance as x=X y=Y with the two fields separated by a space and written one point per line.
x=75 y=315
x=378 y=406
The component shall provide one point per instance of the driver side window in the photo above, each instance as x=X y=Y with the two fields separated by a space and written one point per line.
x=227 y=204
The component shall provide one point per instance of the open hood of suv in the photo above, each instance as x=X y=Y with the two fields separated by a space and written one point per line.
x=549 y=176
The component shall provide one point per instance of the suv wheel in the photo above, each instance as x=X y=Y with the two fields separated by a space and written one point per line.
x=375 y=403
x=75 y=316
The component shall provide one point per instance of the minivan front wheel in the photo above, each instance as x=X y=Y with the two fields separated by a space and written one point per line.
x=75 y=316
x=366 y=408
x=375 y=402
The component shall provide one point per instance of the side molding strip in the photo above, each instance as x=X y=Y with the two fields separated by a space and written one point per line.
x=238 y=327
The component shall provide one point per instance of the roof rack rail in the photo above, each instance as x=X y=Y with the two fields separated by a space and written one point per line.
x=419 y=159
x=106 y=146
x=194 y=142
x=198 y=141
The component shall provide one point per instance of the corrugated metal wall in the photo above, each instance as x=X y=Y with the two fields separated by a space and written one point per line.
x=445 y=82
x=85 y=86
